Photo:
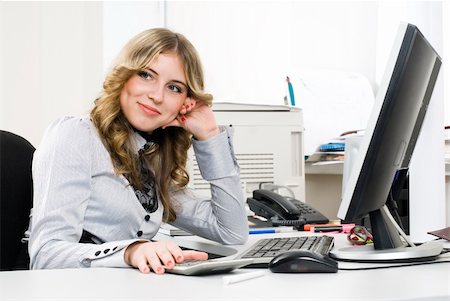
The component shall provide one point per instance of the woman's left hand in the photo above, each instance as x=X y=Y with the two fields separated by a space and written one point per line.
x=197 y=118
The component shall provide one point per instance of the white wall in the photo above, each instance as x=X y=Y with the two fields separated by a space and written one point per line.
x=247 y=47
x=446 y=54
x=250 y=47
x=50 y=63
x=122 y=20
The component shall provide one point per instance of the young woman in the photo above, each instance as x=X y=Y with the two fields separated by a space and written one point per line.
x=104 y=183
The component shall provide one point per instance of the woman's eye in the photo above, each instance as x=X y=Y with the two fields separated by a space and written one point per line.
x=144 y=74
x=175 y=89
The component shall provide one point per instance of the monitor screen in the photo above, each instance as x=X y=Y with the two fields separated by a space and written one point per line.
x=387 y=146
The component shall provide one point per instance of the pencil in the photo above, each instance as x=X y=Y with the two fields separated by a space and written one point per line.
x=291 y=91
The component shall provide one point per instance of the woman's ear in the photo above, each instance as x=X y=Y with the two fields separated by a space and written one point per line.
x=187 y=101
x=191 y=102
x=187 y=106
x=183 y=109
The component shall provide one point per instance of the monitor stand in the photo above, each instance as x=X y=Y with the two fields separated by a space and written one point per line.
x=388 y=246
x=424 y=252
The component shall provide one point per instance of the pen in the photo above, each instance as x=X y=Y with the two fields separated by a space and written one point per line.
x=242 y=277
x=291 y=91
x=326 y=229
x=332 y=228
x=268 y=231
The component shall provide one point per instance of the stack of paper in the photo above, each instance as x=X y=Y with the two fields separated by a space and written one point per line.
x=168 y=229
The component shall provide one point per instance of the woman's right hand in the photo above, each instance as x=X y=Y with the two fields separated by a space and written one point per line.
x=145 y=255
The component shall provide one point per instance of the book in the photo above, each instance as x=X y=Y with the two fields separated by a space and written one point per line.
x=332 y=147
x=326 y=156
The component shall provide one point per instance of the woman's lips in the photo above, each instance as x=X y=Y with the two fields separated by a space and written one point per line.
x=149 y=110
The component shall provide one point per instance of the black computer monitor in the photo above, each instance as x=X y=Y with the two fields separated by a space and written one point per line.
x=387 y=146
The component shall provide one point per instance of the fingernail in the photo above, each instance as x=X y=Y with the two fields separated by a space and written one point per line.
x=183 y=119
x=160 y=270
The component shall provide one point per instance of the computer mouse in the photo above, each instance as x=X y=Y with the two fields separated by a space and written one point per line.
x=302 y=261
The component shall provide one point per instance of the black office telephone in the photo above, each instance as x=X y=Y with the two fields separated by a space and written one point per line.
x=282 y=210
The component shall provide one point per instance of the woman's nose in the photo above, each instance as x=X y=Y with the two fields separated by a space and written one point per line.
x=156 y=94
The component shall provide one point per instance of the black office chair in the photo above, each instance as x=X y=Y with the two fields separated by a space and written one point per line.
x=16 y=197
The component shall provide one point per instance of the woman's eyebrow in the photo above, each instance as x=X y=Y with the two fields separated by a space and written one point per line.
x=151 y=70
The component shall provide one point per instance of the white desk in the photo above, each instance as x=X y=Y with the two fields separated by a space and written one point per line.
x=424 y=282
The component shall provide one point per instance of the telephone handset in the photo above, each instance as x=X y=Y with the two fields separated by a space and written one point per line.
x=283 y=210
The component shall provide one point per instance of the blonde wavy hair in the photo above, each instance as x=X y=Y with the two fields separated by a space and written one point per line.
x=168 y=156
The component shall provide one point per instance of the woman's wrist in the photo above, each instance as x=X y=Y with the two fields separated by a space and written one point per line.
x=207 y=135
x=130 y=250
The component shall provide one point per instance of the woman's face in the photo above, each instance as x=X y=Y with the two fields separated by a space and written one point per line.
x=153 y=97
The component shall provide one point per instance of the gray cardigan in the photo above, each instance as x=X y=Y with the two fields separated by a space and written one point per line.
x=76 y=189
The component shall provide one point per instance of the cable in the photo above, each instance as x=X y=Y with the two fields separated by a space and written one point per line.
x=393 y=208
x=399 y=230
x=274 y=187
x=399 y=265
x=298 y=223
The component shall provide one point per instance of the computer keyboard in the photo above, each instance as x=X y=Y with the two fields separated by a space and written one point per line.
x=265 y=249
